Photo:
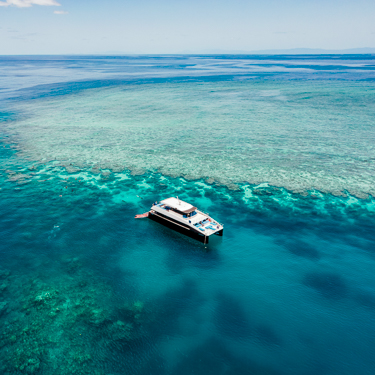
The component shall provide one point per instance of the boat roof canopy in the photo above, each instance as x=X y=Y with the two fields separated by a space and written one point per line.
x=179 y=205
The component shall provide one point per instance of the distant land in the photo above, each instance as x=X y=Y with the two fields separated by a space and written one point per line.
x=291 y=51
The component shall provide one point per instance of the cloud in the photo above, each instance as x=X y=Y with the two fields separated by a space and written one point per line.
x=28 y=3
x=60 y=12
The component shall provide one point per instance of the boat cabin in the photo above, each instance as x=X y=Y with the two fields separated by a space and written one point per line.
x=178 y=206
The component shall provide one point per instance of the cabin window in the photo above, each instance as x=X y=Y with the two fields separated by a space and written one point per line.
x=193 y=213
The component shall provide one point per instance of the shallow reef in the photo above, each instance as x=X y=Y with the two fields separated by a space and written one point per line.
x=264 y=131
x=64 y=325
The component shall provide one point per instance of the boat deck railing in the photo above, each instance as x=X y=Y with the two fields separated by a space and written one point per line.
x=207 y=214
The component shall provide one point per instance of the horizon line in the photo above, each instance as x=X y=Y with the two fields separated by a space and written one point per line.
x=290 y=51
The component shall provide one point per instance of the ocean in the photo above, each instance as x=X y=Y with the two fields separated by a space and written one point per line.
x=280 y=149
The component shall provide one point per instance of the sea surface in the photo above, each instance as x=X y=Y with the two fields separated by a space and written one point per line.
x=280 y=149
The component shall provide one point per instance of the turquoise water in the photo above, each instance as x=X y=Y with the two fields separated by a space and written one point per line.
x=279 y=149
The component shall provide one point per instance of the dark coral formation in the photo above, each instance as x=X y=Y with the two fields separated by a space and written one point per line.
x=329 y=285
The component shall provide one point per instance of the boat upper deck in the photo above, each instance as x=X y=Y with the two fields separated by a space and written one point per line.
x=179 y=205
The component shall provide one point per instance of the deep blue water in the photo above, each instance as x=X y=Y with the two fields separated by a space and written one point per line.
x=88 y=142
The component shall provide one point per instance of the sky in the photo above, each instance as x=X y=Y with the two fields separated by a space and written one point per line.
x=182 y=26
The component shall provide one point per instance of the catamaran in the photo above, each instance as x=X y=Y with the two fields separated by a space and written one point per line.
x=184 y=218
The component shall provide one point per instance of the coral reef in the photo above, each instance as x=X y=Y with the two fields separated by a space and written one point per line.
x=67 y=325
